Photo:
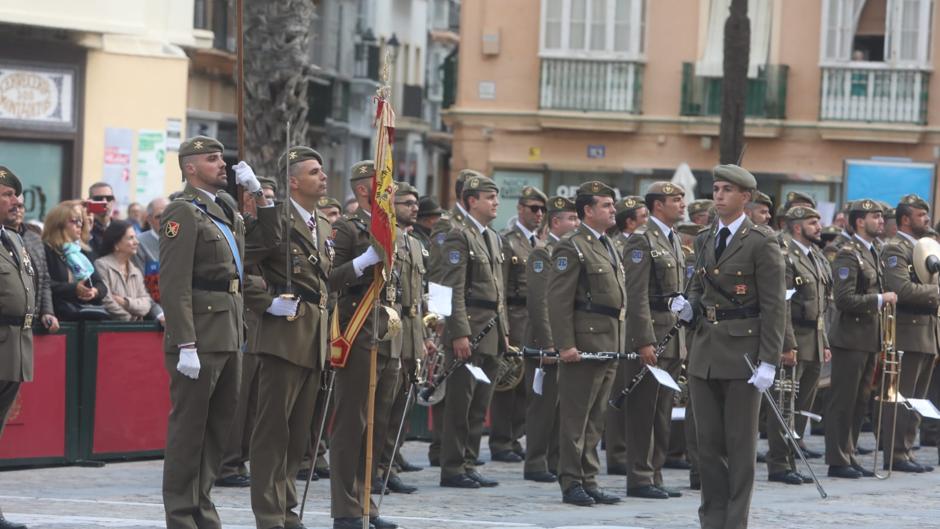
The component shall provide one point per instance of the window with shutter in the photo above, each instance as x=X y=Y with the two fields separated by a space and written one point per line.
x=596 y=29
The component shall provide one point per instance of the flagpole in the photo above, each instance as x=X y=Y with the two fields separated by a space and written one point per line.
x=370 y=403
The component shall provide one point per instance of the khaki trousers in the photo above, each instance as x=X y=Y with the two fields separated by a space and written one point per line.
x=916 y=371
x=849 y=392
x=541 y=440
x=464 y=413
x=237 y=446
x=8 y=392
x=780 y=455
x=649 y=409
x=583 y=391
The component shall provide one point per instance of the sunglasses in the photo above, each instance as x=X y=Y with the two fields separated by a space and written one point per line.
x=99 y=198
x=77 y=222
x=534 y=208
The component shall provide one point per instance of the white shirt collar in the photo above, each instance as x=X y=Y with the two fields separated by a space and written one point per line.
x=662 y=227
x=846 y=234
x=462 y=211
x=304 y=214
x=528 y=234
x=625 y=234
x=735 y=224
x=554 y=238
x=481 y=228
x=596 y=234
x=805 y=249
x=908 y=237
x=867 y=244
x=207 y=193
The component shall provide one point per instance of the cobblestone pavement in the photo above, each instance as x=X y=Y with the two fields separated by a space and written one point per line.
x=127 y=495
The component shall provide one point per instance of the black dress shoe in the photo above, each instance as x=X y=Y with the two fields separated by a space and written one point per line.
x=843 y=471
x=7 y=524
x=926 y=467
x=761 y=457
x=322 y=472
x=602 y=497
x=616 y=470
x=408 y=466
x=863 y=451
x=678 y=463
x=863 y=471
x=905 y=466
x=484 y=482
x=349 y=523
x=460 y=481
x=541 y=477
x=695 y=483
x=806 y=478
x=434 y=462
x=673 y=493
x=231 y=481
x=647 y=491
x=787 y=477
x=575 y=495
x=479 y=462
x=302 y=475
x=506 y=456
x=809 y=453
x=299 y=526
x=395 y=484
x=377 y=486
x=519 y=451
x=381 y=523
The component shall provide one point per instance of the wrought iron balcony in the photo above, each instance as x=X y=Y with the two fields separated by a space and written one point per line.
x=766 y=95
x=874 y=93
x=591 y=85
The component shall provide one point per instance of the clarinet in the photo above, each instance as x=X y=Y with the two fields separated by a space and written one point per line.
x=432 y=385
x=528 y=352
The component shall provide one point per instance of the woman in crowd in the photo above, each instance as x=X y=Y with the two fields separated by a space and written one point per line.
x=127 y=298
x=77 y=290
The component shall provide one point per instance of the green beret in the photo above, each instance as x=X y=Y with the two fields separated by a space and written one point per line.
x=267 y=181
x=831 y=232
x=200 y=145
x=404 y=189
x=596 y=189
x=362 y=170
x=560 y=203
x=802 y=213
x=890 y=213
x=689 y=228
x=479 y=183
x=665 y=188
x=464 y=174
x=914 y=201
x=865 y=205
x=7 y=178
x=800 y=197
x=329 y=202
x=736 y=175
x=428 y=207
x=532 y=193
x=298 y=154
x=629 y=203
x=701 y=205
x=762 y=198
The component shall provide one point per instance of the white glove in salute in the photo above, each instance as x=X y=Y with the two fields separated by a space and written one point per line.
x=245 y=176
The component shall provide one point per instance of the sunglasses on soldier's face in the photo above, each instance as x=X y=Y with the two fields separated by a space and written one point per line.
x=535 y=208
x=100 y=198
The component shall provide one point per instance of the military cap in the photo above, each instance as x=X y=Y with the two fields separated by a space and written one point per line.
x=914 y=201
x=268 y=182
x=7 y=178
x=736 y=175
x=890 y=213
x=830 y=232
x=802 y=213
x=404 y=189
x=799 y=197
x=329 y=202
x=479 y=183
x=665 y=188
x=464 y=174
x=701 y=205
x=362 y=170
x=297 y=154
x=532 y=193
x=200 y=145
x=560 y=203
x=629 y=203
x=428 y=207
x=689 y=228
x=866 y=205
x=762 y=198
x=596 y=189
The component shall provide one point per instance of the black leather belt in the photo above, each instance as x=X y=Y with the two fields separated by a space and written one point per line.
x=482 y=304
x=715 y=315
x=232 y=286
x=659 y=305
x=595 y=308
x=17 y=321
x=516 y=301
x=920 y=311
x=305 y=294
x=800 y=322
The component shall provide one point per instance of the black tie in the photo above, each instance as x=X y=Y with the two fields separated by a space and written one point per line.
x=229 y=214
x=489 y=245
x=610 y=250
x=723 y=235
x=532 y=240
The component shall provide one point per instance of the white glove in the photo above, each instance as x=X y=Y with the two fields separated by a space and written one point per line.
x=245 y=176
x=189 y=363
x=367 y=259
x=682 y=308
x=283 y=307
x=763 y=378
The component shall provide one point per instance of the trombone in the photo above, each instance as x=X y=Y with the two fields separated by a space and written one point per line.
x=888 y=393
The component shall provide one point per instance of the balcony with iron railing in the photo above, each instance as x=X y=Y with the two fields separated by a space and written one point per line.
x=874 y=93
x=766 y=95
x=590 y=85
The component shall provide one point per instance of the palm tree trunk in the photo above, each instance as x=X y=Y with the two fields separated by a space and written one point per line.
x=737 y=51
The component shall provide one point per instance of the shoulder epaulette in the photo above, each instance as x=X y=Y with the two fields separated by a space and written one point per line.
x=764 y=230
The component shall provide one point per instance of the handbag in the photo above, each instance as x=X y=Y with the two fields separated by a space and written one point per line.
x=72 y=311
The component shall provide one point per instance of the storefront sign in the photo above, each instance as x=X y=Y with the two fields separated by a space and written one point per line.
x=151 y=152
x=36 y=97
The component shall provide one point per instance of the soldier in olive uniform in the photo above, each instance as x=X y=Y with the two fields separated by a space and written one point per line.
x=330 y=208
x=807 y=274
x=855 y=336
x=632 y=214
x=201 y=279
x=739 y=299
x=289 y=366
x=409 y=267
x=916 y=333
x=699 y=211
x=474 y=270
x=655 y=274
x=351 y=277
x=688 y=444
x=587 y=314
x=541 y=457
x=760 y=209
x=844 y=236
x=507 y=411
x=17 y=303
x=429 y=212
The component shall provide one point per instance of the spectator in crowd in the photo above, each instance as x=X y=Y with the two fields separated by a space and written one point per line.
x=127 y=298
x=77 y=290
x=100 y=192
x=147 y=258
x=135 y=215
x=33 y=243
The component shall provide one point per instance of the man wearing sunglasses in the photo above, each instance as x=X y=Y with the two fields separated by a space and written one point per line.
x=100 y=192
x=507 y=409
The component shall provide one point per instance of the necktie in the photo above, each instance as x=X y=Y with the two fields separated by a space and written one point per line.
x=312 y=224
x=229 y=214
x=532 y=240
x=723 y=235
x=489 y=245
x=610 y=250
